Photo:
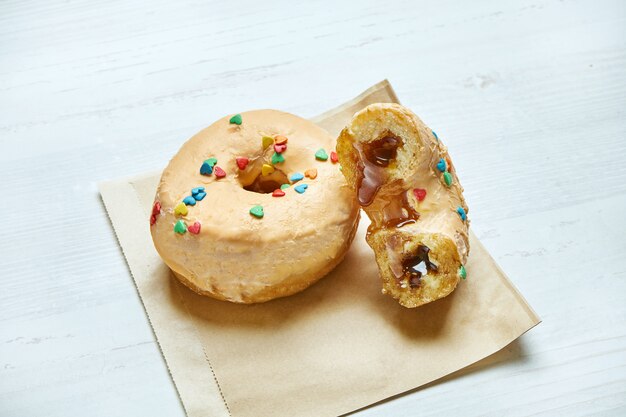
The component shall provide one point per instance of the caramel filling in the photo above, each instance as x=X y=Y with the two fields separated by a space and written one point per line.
x=416 y=266
x=375 y=156
x=382 y=151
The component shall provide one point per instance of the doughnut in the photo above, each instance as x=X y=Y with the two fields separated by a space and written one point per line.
x=408 y=187
x=254 y=207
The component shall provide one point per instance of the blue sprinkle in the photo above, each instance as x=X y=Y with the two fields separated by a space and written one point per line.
x=296 y=177
x=441 y=165
x=206 y=169
x=461 y=213
x=435 y=135
x=197 y=190
x=189 y=200
x=301 y=188
x=199 y=196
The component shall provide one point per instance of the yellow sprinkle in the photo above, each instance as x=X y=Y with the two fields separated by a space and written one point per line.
x=266 y=169
x=181 y=209
x=311 y=173
x=267 y=141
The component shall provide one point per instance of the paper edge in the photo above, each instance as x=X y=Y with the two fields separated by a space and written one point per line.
x=381 y=85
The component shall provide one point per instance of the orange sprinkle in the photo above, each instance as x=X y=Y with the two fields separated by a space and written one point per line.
x=280 y=139
x=311 y=173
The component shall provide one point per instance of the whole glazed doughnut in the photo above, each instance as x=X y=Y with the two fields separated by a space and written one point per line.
x=408 y=187
x=254 y=207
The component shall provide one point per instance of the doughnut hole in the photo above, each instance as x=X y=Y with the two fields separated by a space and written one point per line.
x=253 y=180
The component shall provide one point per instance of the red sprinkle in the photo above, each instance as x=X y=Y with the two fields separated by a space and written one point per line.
x=333 y=157
x=219 y=172
x=278 y=193
x=156 y=210
x=194 y=228
x=280 y=148
x=242 y=163
x=420 y=194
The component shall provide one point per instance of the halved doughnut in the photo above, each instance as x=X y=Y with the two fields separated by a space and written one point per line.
x=406 y=184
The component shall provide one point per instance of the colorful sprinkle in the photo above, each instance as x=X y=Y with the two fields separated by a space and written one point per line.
x=435 y=135
x=242 y=162
x=180 y=227
x=211 y=161
x=280 y=139
x=181 y=209
x=297 y=176
x=461 y=212
x=156 y=210
x=333 y=157
x=311 y=173
x=257 y=211
x=441 y=165
x=278 y=193
x=189 y=201
x=280 y=148
x=206 y=169
x=462 y=272
x=449 y=162
x=194 y=229
x=197 y=190
x=277 y=158
x=199 y=196
x=219 y=172
x=300 y=189
x=267 y=169
x=420 y=194
x=321 y=155
x=235 y=120
x=447 y=178
x=285 y=186
x=267 y=141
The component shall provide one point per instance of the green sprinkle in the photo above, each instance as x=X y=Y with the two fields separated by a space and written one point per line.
x=462 y=272
x=211 y=162
x=285 y=186
x=447 y=178
x=321 y=155
x=277 y=158
x=180 y=227
x=235 y=120
x=257 y=211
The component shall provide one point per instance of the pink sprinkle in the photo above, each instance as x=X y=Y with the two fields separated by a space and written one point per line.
x=156 y=210
x=280 y=148
x=242 y=163
x=420 y=194
x=194 y=228
x=219 y=172
x=333 y=157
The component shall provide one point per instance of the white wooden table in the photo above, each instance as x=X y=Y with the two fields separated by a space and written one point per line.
x=529 y=96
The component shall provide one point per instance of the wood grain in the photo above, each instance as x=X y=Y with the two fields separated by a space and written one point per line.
x=529 y=96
